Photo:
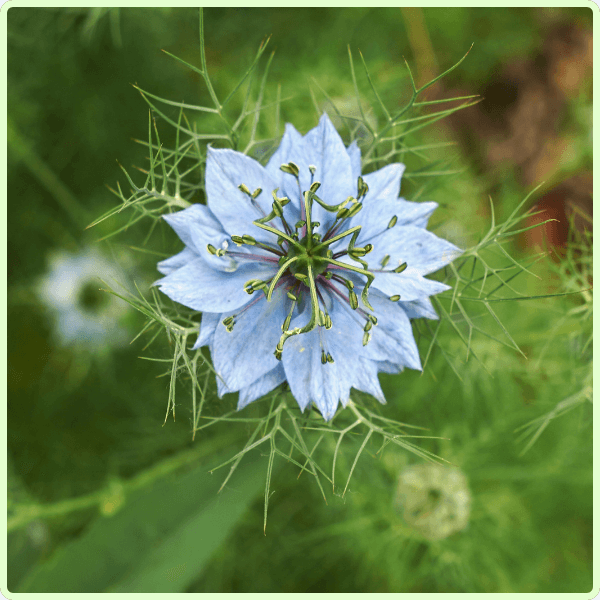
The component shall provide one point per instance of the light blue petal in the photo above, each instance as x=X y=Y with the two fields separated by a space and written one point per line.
x=261 y=386
x=176 y=262
x=207 y=329
x=309 y=380
x=409 y=284
x=422 y=250
x=366 y=380
x=197 y=227
x=381 y=201
x=198 y=286
x=243 y=355
x=414 y=213
x=225 y=171
x=388 y=367
x=327 y=385
x=326 y=151
x=291 y=145
x=419 y=309
x=392 y=338
x=354 y=153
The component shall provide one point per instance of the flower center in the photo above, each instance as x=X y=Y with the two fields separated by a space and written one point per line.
x=307 y=265
x=308 y=253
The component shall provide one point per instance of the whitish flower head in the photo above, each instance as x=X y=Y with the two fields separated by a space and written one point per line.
x=83 y=314
x=434 y=499
x=305 y=271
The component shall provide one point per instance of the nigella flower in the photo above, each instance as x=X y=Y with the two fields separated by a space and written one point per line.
x=435 y=500
x=83 y=314
x=305 y=271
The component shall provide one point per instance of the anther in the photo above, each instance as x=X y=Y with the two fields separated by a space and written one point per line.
x=248 y=239
x=291 y=168
x=229 y=322
x=321 y=318
x=354 y=209
x=300 y=224
x=395 y=298
x=400 y=268
x=292 y=296
x=363 y=188
x=257 y=192
x=329 y=358
x=212 y=250
x=237 y=240
x=368 y=326
x=244 y=188
x=392 y=222
x=353 y=300
x=323 y=357
x=312 y=169
x=328 y=323
x=358 y=252
x=314 y=187
x=277 y=208
x=366 y=338
x=384 y=261
x=301 y=276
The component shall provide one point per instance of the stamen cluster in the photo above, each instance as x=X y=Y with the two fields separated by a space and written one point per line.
x=307 y=264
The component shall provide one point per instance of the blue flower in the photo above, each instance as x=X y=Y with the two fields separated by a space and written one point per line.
x=305 y=271
x=83 y=314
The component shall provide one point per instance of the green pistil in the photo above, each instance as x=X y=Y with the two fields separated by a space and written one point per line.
x=284 y=267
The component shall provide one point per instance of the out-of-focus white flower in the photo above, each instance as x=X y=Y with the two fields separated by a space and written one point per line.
x=435 y=500
x=83 y=314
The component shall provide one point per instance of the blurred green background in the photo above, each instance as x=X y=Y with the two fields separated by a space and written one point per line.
x=105 y=497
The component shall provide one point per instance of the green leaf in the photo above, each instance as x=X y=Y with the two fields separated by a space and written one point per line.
x=158 y=542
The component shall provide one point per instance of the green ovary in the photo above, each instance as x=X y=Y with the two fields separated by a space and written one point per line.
x=306 y=255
